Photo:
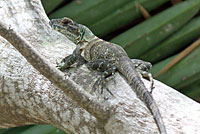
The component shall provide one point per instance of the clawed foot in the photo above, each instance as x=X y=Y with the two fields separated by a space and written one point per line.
x=142 y=68
x=102 y=84
x=105 y=68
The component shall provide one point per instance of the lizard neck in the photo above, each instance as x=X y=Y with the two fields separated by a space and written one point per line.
x=86 y=46
x=87 y=35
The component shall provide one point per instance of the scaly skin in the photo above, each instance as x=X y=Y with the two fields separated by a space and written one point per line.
x=93 y=48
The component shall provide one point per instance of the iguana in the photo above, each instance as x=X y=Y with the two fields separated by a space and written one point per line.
x=105 y=57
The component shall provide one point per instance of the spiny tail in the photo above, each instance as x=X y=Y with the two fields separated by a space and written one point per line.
x=126 y=68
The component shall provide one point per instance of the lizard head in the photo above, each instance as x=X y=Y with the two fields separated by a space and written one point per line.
x=72 y=30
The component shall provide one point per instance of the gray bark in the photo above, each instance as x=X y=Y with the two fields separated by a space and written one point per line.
x=27 y=97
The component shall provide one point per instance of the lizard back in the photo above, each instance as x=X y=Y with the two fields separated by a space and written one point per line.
x=100 y=49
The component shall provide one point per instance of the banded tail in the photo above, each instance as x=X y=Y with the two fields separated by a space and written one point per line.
x=127 y=69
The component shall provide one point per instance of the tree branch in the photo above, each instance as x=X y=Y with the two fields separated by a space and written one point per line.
x=69 y=87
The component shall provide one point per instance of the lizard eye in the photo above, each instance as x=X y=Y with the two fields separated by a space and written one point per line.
x=67 y=21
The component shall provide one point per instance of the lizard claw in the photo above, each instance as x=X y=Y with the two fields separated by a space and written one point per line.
x=101 y=82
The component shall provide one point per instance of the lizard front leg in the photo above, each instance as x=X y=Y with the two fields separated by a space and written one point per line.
x=71 y=59
x=105 y=68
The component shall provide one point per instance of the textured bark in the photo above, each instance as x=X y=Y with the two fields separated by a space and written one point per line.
x=27 y=97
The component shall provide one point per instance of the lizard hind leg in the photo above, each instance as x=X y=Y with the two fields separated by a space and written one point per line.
x=148 y=76
x=105 y=68
x=142 y=68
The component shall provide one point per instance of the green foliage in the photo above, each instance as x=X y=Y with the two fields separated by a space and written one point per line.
x=184 y=72
x=143 y=37
x=36 y=129
x=16 y=130
x=88 y=11
x=174 y=43
x=122 y=16
x=50 y=5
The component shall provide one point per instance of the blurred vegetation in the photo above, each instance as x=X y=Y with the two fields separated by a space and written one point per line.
x=33 y=129
x=173 y=26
